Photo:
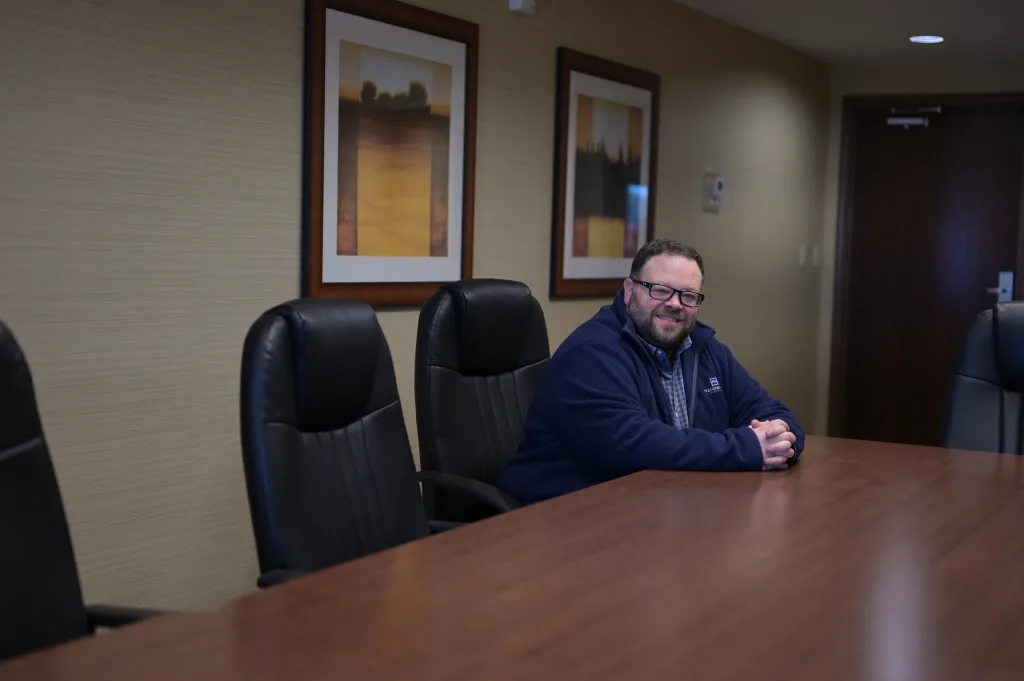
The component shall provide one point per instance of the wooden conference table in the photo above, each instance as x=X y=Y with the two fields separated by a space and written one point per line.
x=865 y=561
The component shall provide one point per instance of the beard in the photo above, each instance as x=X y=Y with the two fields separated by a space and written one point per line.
x=647 y=326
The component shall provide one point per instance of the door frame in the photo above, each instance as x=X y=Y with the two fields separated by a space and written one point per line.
x=852 y=107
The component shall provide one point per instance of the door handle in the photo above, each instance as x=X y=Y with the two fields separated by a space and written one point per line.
x=1004 y=291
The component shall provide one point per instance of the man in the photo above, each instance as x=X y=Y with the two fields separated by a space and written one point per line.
x=644 y=385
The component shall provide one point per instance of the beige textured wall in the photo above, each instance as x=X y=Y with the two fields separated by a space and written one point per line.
x=917 y=77
x=149 y=202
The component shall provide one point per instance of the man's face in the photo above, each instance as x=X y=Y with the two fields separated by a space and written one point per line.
x=664 y=323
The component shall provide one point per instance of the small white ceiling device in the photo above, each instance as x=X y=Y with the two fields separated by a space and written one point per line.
x=522 y=6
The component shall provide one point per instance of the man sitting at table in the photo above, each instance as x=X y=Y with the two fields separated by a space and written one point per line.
x=644 y=385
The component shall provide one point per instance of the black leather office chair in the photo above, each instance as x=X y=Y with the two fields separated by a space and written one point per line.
x=41 y=601
x=985 y=409
x=328 y=464
x=481 y=351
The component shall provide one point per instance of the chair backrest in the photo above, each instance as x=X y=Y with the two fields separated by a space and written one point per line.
x=985 y=407
x=481 y=351
x=328 y=464
x=40 y=595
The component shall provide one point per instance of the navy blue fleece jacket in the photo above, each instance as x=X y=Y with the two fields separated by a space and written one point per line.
x=601 y=412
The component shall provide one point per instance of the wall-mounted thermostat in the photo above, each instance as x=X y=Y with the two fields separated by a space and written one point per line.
x=522 y=6
x=714 y=192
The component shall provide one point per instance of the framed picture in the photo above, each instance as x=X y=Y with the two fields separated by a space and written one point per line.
x=605 y=172
x=390 y=151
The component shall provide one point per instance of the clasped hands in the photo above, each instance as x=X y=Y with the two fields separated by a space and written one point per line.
x=776 y=442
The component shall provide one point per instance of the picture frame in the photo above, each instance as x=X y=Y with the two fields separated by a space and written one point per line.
x=606 y=162
x=389 y=151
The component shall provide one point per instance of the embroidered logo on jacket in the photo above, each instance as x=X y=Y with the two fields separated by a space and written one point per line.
x=715 y=388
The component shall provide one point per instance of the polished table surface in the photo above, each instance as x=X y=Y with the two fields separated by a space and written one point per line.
x=864 y=561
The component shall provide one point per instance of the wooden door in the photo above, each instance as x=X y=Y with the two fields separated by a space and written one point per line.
x=930 y=217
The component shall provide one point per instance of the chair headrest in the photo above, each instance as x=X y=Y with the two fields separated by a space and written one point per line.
x=1008 y=320
x=338 y=352
x=19 y=415
x=483 y=327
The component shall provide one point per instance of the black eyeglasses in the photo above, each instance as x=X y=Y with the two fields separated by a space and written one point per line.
x=662 y=292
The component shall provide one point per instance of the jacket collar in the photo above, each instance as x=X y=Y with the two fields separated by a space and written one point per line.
x=700 y=335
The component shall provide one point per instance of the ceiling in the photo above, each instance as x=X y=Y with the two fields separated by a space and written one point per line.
x=856 y=30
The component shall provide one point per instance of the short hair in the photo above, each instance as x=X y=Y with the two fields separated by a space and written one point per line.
x=660 y=246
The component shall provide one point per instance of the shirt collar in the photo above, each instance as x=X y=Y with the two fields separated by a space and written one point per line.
x=661 y=357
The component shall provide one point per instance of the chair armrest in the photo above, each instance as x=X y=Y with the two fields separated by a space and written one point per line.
x=439 y=526
x=489 y=494
x=275 y=577
x=110 y=616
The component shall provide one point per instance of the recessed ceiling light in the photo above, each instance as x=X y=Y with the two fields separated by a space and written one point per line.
x=926 y=39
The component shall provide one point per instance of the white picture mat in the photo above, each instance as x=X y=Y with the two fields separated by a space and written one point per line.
x=585 y=84
x=360 y=268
